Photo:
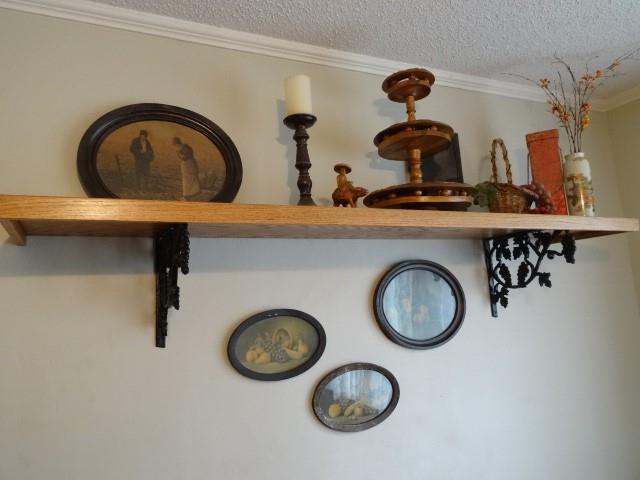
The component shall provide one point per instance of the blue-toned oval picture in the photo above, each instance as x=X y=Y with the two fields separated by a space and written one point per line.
x=355 y=397
x=276 y=344
x=419 y=304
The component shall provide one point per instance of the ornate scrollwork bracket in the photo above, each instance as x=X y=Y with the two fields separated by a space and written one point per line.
x=527 y=250
x=171 y=253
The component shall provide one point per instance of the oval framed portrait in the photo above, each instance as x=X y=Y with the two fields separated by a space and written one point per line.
x=356 y=397
x=276 y=344
x=158 y=152
x=419 y=304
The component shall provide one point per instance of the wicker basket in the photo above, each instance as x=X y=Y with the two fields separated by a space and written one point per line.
x=509 y=198
x=283 y=337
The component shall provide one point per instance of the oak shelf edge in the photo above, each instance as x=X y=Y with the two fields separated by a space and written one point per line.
x=23 y=216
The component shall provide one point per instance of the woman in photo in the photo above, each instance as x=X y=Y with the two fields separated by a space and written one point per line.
x=189 y=169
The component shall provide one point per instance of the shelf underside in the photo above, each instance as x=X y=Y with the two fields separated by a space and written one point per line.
x=23 y=216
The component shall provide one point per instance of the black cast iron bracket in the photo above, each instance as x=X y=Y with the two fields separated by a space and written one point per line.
x=171 y=248
x=528 y=247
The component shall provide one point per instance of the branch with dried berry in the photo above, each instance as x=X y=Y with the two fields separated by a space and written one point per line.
x=569 y=95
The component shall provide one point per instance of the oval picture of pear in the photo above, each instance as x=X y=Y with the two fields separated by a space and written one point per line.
x=276 y=344
x=356 y=397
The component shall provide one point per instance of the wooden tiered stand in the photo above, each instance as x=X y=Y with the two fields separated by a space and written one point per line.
x=410 y=141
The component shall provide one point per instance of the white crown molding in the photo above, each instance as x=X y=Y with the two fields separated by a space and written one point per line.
x=159 y=25
x=622 y=98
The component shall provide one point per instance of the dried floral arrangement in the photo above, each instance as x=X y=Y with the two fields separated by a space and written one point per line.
x=569 y=95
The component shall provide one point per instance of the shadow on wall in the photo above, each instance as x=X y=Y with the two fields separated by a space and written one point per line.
x=519 y=166
x=76 y=256
x=57 y=256
x=340 y=255
x=285 y=137
x=396 y=113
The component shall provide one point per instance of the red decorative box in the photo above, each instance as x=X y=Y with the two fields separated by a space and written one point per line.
x=546 y=165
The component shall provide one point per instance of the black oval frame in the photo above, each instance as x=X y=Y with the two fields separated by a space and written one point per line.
x=395 y=396
x=266 y=315
x=396 y=336
x=105 y=125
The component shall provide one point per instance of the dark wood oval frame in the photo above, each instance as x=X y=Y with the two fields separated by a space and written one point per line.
x=105 y=125
x=395 y=396
x=266 y=315
x=400 y=339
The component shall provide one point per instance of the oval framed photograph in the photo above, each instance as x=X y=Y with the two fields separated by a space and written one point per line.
x=356 y=397
x=419 y=304
x=276 y=344
x=158 y=152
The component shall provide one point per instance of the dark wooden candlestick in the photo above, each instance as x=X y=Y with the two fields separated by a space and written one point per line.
x=299 y=122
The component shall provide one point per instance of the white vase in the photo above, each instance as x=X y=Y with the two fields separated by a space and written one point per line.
x=577 y=185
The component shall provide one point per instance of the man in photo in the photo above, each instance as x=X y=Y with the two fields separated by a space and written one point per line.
x=142 y=152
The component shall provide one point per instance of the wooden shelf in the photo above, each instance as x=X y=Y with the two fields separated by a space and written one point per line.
x=22 y=216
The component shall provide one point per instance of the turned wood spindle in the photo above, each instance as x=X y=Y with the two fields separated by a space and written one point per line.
x=299 y=122
x=411 y=108
x=415 y=165
x=303 y=164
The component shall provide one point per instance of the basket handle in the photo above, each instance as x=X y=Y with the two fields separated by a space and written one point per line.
x=505 y=157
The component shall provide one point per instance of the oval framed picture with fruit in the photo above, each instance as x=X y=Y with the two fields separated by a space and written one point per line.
x=276 y=344
x=356 y=397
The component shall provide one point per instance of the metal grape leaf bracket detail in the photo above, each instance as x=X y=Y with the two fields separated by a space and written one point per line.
x=171 y=248
x=530 y=248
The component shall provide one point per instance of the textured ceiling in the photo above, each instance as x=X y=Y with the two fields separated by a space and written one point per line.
x=487 y=38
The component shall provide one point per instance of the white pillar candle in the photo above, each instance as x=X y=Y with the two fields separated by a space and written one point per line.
x=297 y=94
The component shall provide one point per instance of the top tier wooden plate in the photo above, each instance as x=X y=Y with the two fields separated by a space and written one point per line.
x=415 y=82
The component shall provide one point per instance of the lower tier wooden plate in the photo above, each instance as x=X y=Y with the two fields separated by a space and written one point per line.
x=449 y=196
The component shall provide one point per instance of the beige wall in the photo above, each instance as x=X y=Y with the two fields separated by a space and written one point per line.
x=548 y=390
x=624 y=128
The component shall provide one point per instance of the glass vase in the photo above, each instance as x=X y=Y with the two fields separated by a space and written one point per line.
x=577 y=185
